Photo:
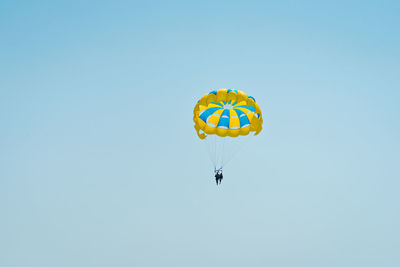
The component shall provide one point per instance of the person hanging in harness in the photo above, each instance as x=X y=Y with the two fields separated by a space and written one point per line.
x=218 y=176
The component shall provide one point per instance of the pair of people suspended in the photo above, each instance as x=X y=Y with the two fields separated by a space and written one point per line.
x=218 y=176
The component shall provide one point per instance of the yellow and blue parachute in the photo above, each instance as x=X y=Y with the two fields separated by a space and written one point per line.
x=227 y=113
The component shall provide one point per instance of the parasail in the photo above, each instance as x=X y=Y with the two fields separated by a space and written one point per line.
x=224 y=115
x=227 y=112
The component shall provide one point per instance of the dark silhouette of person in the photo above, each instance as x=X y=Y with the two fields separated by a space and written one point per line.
x=218 y=176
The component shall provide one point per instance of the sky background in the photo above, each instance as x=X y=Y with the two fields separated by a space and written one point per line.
x=100 y=164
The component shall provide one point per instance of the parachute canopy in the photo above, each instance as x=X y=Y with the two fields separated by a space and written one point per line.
x=226 y=112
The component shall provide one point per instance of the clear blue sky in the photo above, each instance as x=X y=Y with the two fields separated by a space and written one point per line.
x=100 y=164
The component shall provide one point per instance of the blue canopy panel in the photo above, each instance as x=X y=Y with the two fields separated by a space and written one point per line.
x=252 y=98
x=224 y=120
x=253 y=109
x=207 y=113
